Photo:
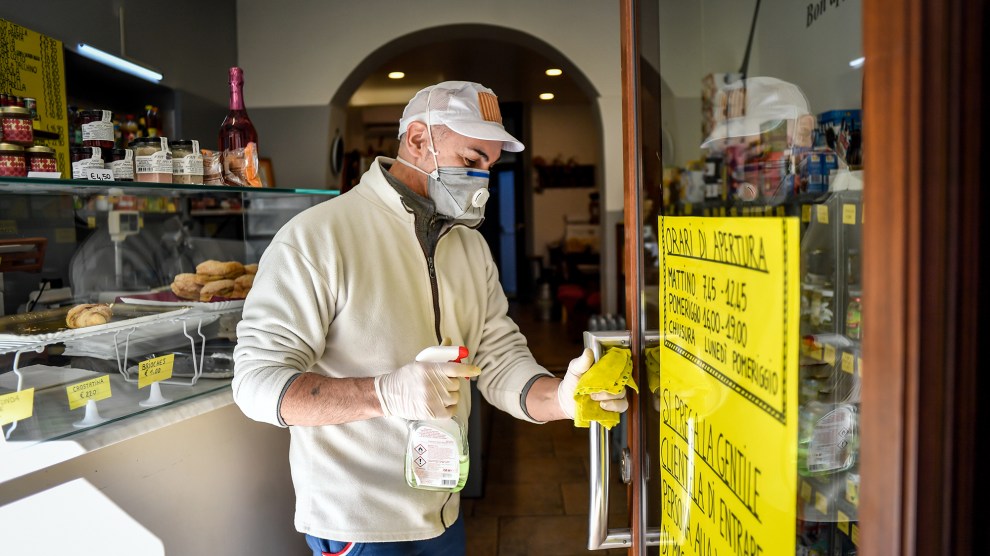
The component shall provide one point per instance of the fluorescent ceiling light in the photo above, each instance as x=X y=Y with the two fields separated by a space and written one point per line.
x=554 y=72
x=546 y=96
x=396 y=75
x=119 y=63
x=858 y=62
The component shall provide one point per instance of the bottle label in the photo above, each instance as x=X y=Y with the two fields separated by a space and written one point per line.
x=99 y=131
x=81 y=168
x=189 y=165
x=434 y=458
x=157 y=163
x=124 y=169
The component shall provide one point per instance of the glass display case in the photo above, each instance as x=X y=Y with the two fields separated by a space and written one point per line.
x=94 y=325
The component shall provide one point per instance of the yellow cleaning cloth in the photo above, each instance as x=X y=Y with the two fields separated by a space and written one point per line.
x=653 y=368
x=611 y=374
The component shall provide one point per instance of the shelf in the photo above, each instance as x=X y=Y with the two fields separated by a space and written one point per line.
x=42 y=186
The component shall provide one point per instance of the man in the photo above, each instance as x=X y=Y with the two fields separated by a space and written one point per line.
x=346 y=296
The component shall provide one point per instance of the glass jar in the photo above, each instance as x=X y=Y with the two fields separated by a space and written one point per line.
x=85 y=159
x=122 y=164
x=12 y=160
x=187 y=161
x=17 y=126
x=152 y=160
x=97 y=128
x=41 y=159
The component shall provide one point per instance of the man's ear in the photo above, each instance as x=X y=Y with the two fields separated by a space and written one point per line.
x=417 y=140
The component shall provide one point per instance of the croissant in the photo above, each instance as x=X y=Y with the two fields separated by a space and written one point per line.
x=88 y=314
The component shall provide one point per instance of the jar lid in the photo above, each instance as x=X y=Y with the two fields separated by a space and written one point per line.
x=15 y=110
x=180 y=142
x=139 y=141
x=94 y=112
x=41 y=149
x=120 y=152
x=10 y=147
x=84 y=150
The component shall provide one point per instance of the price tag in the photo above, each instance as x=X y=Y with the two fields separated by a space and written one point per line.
x=821 y=211
x=90 y=222
x=688 y=209
x=862 y=214
x=830 y=354
x=805 y=213
x=859 y=365
x=8 y=226
x=16 y=406
x=854 y=534
x=848 y=362
x=781 y=211
x=849 y=214
x=81 y=392
x=155 y=370
x=734 y=211
x=721 y=211
x=842 y=522
x=745 y=211
x=821 y=503
x=708 y=212
x=805 y=491
x=100 y=175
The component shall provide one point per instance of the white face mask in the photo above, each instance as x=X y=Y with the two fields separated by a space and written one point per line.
x=459 y=193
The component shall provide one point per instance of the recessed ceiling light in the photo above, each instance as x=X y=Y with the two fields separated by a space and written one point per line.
x=396 y=75
x=554 y=72
x=546 y=96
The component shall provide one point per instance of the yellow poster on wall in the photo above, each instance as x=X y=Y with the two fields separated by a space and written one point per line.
x=33 y=66
x=729 y=311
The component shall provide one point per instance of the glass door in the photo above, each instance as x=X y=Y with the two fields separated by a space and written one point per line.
x=742 y=125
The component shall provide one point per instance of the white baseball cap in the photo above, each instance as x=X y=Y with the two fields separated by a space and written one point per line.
x=466 y=108
x=748 y=106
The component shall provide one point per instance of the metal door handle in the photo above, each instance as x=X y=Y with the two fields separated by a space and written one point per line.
x=600 y=537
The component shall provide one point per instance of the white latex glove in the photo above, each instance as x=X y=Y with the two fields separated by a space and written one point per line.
x=422 y=390
x=567 y=386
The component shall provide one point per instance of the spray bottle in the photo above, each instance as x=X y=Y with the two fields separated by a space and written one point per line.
x=437 y=449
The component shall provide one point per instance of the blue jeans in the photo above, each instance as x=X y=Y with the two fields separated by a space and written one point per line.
x=450 y=543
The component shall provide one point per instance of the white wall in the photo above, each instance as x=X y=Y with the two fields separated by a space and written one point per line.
x=561 y=131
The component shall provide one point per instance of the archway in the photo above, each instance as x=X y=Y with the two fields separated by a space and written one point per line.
x=511 y=63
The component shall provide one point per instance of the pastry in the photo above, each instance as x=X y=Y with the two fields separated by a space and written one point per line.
x=216 y=288
x=242 y=285
x=215 y=270
x=88 y=314
x=251 y=268
x=185 y=286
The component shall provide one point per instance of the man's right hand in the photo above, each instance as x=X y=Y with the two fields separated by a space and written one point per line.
x=422 y=390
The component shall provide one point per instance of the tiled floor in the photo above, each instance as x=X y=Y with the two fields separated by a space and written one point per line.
x=535 y=499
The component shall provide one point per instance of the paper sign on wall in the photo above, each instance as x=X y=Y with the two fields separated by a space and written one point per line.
x=729 y=379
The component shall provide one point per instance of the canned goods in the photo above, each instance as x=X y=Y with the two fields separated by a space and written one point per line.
x=12 y=160
x=17 y=126
x=187 y=161
x=97 y=128
x=122 y=164
x=152 y=160
x=41 y=159
x=85 y=159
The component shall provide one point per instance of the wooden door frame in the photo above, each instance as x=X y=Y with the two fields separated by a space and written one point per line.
x=921 y=131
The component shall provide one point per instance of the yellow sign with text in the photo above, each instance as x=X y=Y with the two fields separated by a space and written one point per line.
x=155 y=370
x=89 y=390
x=16 y=406
x=729 y=311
